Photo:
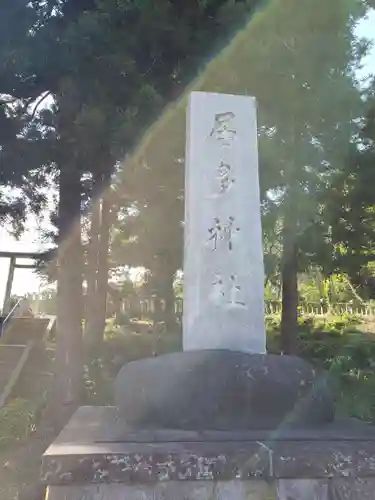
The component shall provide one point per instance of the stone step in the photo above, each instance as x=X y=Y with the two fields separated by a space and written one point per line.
x=22 y=330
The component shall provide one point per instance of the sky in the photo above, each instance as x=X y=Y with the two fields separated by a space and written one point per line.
x=26 y=281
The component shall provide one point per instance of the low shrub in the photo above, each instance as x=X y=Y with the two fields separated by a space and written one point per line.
x=98 y=380
x=122 y=345
x=337 y=345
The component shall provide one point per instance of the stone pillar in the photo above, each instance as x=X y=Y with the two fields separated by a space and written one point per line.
x=8 y=289
x=223 y=268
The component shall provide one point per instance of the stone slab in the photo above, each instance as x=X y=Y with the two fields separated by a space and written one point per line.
x=300 y=489
x=354 y=489
x=254 y=490
x=223 y=263
x=21 y=330
x=95 y=447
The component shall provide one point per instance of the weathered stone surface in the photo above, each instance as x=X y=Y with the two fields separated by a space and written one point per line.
x=302 y=489
x=146 y=464
x=222 y=390
x=354 y=489
x=94 y=425
x=289 y=489
x=232 y=490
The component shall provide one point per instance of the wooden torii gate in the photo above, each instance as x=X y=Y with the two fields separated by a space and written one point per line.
x=13 y=257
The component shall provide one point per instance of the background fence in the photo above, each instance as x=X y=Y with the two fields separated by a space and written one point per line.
x=149 y=307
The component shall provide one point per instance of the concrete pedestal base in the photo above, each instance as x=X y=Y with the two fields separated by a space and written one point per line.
x=97 y=457
x=194 y=490
x=288 y=489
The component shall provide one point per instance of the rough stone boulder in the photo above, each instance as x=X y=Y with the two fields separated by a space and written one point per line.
x=222 y=390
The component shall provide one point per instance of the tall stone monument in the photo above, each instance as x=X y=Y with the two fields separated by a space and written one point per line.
x=221 y=420
x=226 y=377
x=223 y=268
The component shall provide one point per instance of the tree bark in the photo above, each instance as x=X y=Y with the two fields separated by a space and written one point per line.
x=69 y=386
x=168 y=295
x=92 y=267
x=102 y=272
x=165 y=273
x=289 y=277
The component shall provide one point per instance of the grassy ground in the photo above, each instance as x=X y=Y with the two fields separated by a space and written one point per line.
x=23 y=435
x=343 y=346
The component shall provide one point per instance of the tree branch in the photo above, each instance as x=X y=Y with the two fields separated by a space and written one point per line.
x=354 y=290
x=39 y=102
x=7 y=101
